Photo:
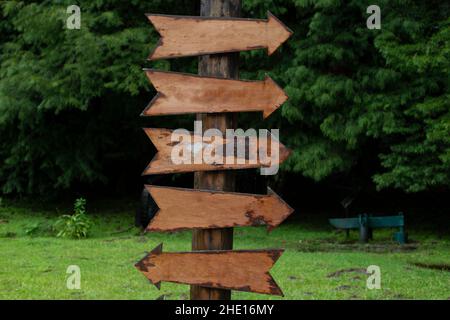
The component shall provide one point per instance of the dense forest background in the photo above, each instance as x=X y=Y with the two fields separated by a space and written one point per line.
x=367 y=108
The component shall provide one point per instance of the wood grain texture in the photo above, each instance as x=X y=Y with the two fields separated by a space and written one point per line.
x=180 y=93
x=192 y=208
x=241 y=270
x=192 y=36
x=162 y=162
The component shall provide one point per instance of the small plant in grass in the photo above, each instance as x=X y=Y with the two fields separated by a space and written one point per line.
x=76 y=225
x=32 y=229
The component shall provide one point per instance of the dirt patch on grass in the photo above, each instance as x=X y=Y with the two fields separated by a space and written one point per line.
x=343 y=287
x=433 y=266
x=118 y=239
x=335 y=246
x=338 y=273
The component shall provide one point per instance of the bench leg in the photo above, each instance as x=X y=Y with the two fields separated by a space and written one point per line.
x=400 y=236
x=363 y=234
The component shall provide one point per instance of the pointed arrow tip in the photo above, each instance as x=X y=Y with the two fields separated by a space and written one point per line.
x=145 y=264
x=278 y=33
x=288 y=210
x=279 y=97
x=285 y=152
x=141 y=265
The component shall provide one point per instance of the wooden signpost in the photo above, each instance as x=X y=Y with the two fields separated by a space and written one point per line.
x=183 y=36
x=181 y=93
x=163 y=162
x=214 y=209
x=241 y=270
x=211 y=209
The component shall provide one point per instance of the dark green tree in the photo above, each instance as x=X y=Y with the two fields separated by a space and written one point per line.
x=70 y=99
x=357 y=93
x=377 y=99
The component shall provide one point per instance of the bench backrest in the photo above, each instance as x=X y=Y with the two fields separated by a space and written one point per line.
x=372 y=222
x=385 y=222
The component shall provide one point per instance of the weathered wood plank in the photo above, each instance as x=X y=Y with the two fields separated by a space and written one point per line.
x=241 y=270
x=192 y=208
x=192 y=36
x=162 y=162
x=180 y=93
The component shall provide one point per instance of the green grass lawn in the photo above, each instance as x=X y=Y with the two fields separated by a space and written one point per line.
x=319 y=263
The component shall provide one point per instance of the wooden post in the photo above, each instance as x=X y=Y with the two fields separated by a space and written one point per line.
x=223 y=66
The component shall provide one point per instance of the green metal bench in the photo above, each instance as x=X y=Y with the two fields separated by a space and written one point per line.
x=366 y=223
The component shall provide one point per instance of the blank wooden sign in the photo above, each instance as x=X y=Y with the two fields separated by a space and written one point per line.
x=241 y=270
x=192 y=208
x=183 y=36
x=180 y=93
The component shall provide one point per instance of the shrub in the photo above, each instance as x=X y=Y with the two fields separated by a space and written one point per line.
x=76 y=225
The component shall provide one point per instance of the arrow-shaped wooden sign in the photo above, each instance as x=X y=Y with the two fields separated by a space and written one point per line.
x=192 y=36
x=242 y=270
x=258 y=153
x=180 y=93
x=192 y=208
